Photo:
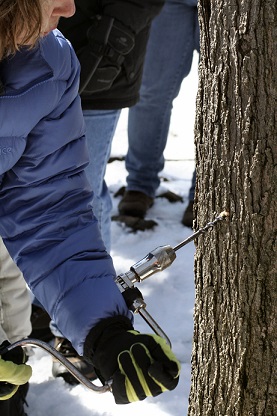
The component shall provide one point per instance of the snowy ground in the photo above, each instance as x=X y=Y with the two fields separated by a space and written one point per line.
x=169 y=294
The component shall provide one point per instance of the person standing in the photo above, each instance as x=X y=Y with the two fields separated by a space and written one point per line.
x=173 y=39
x=109 y=38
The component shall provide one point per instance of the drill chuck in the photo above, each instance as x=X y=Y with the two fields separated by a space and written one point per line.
x=155 y=261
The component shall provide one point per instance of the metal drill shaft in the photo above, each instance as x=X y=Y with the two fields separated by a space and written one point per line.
x=203 y=230
x=155 y=261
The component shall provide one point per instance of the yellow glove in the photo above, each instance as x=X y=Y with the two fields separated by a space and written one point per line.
x=12 y=376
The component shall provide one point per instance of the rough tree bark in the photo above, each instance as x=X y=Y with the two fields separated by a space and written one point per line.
x=234 y=348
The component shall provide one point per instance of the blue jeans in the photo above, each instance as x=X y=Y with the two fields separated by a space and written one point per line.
x=100 y=129
x=173 y=38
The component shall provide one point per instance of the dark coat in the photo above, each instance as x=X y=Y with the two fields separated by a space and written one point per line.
x=134 y=15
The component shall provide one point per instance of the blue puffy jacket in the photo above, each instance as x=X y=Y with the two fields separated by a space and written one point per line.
x=46 y=220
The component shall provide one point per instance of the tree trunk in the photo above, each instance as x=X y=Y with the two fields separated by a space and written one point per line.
x=234 y=348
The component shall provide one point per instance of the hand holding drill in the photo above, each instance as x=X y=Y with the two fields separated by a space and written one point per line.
x=13 y=372
x=139 y=365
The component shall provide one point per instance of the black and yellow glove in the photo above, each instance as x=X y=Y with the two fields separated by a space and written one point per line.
x=140 y=365
x=13 y=372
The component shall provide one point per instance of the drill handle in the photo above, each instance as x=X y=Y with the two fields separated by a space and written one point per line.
x=153 y=324
x=135 y=302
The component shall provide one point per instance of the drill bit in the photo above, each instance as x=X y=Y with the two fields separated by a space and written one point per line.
x=222 y=216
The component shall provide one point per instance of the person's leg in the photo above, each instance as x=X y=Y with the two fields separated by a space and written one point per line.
x=168 y=62
x=15 y=299
x=100 y=129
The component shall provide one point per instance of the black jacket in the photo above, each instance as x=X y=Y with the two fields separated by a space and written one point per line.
x=110 y=39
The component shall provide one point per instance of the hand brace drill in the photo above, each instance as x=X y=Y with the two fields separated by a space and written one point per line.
x=155 y=261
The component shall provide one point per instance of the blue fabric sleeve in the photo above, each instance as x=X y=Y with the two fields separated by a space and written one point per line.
x=46 y=219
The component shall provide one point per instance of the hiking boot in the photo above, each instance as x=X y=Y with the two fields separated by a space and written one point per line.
x=135 y=204
x=187 y=219
x=64 y=347
x=40 y=321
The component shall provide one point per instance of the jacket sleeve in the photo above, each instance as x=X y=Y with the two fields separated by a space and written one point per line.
x=46 y=219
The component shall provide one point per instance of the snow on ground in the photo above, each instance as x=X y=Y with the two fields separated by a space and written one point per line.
x=169 y=295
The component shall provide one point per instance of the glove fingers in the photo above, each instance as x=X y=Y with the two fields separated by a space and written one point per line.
x=162 y=353
x=165 y=379
x=134 y=365
x=14 y=373
x=156 y=373
x=119 y=389
x=142 y=357
x=7 y=390
x=127 y=380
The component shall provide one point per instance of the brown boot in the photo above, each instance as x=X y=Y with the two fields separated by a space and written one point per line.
x=135 y=204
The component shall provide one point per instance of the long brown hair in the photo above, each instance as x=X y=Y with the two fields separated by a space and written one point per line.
x=18 y=18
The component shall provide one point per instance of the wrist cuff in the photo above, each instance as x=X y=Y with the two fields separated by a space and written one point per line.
x=108 y=328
